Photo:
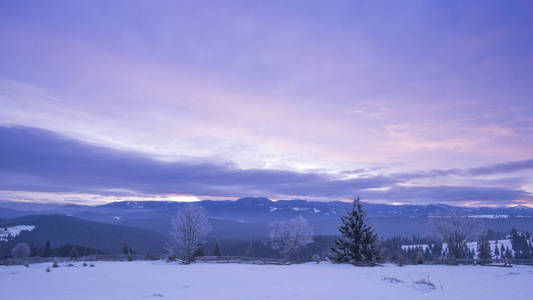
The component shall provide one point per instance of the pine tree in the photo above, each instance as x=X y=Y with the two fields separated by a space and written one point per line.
x=125 y=249
x=199 y=251
x=47 y=252
x=419 y=258
x=250 y=250
x=74 y=252
x=217 y=250
x=148 y=254
x=358 y=242
x=496 y=251
x=483 y=248
x=508 y=253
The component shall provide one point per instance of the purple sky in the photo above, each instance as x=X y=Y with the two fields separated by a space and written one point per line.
x=397 y=101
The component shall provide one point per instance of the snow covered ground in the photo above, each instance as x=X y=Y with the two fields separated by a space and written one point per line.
x=13 y=231
x=159 y=280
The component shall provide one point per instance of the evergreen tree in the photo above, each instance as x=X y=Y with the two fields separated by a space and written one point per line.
x=199 y=251
x=217 y=250
x=148 y=254
x=508 y=253
x=496 y=251
x=47 y=252
x=250 y=250
x=419 y=258
x=125 y=249
x=427 y=254
x=358 y=242
x=74 y=252
x=483 y=248
x=436 y=250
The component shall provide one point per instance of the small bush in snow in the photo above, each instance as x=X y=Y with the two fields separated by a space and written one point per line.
x=426 y=283
x=85 y=264
x=392 y=279
x=91 y=265
x=48 y=270
x=55 y=265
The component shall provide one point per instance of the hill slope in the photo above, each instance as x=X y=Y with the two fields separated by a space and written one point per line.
x=61 y=229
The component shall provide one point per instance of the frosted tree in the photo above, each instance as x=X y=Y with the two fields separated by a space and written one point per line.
x=358 y=242
x=21 y=250
x=456 y=230
x=187 y=232
x=287 y=236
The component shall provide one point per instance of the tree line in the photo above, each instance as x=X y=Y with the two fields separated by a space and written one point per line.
x=293 y=240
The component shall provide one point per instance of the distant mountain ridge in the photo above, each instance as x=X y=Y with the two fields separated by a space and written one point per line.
x=249 y=217
x=325 y=208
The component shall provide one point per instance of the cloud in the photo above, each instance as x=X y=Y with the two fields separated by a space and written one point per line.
x=507 y=167
x=38 y=160
x=493 y=169
x=446 y=194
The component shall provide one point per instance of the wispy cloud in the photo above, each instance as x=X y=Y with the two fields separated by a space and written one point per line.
x=41 y=161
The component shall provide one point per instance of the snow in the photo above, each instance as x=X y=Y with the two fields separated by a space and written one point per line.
x=159 y=280
x=489 y=216
x=273 y=209
x=471 y=245
x=13 y=231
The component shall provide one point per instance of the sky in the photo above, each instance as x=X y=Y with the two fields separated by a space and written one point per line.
x=403 y=102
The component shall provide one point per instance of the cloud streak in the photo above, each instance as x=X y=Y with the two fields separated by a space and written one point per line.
x=37 y=160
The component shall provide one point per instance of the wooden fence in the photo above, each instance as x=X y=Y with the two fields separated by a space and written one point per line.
x=235 y=259
x=126 y=257
x=240 y=259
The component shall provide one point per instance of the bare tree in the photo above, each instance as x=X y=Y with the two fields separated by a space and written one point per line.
x=187 y=232
x=21 y=250
x=287 y=236
x=456 y=230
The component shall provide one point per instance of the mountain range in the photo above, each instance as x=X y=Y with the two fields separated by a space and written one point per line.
x=235 y=223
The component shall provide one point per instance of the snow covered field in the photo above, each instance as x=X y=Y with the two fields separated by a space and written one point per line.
x=159 y=280
x=13 y=231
